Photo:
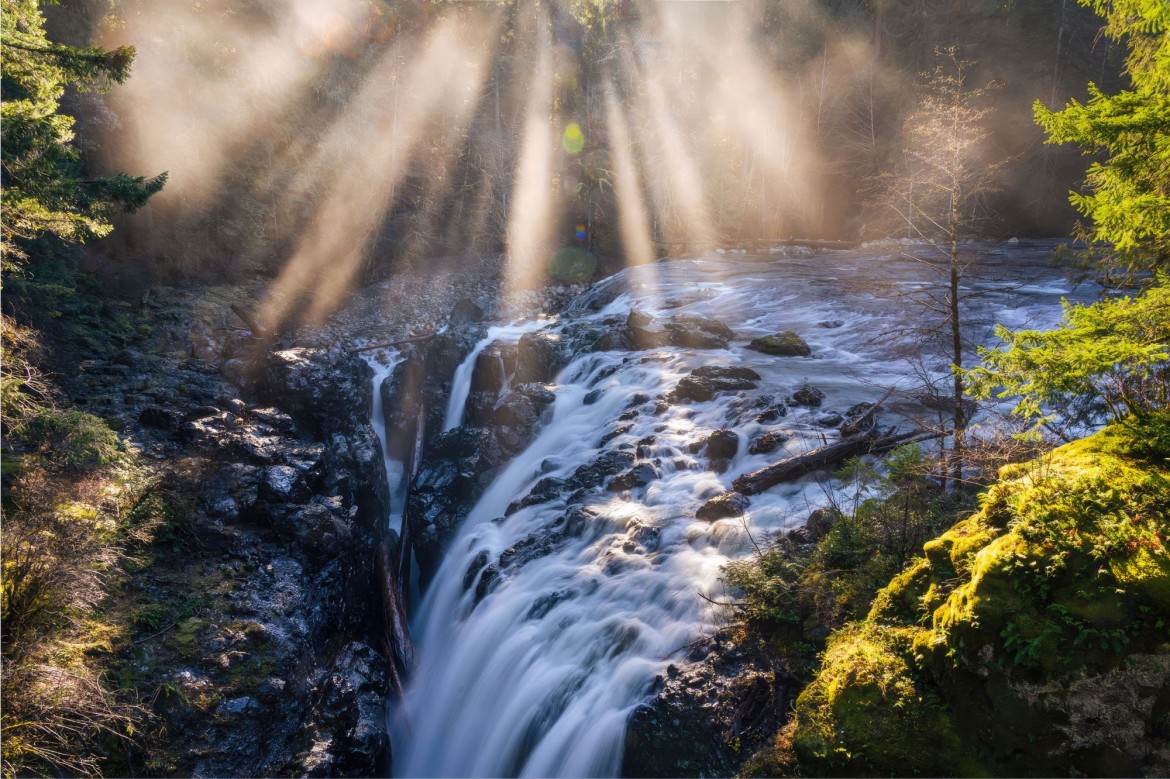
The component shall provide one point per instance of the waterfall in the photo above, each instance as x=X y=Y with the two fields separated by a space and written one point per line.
x=383 y=364
x=545 y=627
x=461 y=383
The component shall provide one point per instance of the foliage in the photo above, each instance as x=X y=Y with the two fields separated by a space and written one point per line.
x=1115 y=353
x=1063 y=574
x=44 y=189
x=866 y=714
x=23 y=389
x=893 y=512
x=1128 y=198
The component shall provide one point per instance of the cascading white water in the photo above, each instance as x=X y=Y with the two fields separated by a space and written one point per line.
x=383 y=364
x=540 y=676
x=461 y=383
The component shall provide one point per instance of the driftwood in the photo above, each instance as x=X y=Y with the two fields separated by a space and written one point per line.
x=248 y=319
x=398 y=640
x=387 y=344
x=821 y=458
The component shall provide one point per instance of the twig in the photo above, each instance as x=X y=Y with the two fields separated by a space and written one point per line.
x=154 y=635
x=388 y=344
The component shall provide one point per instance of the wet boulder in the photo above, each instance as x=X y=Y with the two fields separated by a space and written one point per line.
x=644 y=331
x=785 y=344
x=808 y=395
x=539 y=357
x=638 y=476
x=769 y=442
x=493 y=367
x=543 y=491
x=722 y=444
x=593 y=475
x=704 y=383
x=452 y=476
x=326 y=390
x=729 y=504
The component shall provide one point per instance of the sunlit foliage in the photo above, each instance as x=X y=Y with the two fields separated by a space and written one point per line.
x=1128 y=193
x=44 y=189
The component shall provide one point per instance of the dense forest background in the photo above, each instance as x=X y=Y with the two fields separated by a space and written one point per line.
x=736 y=122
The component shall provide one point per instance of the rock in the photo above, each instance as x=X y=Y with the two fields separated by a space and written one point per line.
x=465 y=312
x=542 y=492
x=732 y=374
x=706 y=382
x=593 y=475
x=859 y=419
x=492 y=368
x=709 y=713
x=729 y=504
x=819 y=522
x=769 y=442
x=638 y=476
x=160 y=418
x=829 y=419
x=488 y=581
x=830 y=324
x=722 y=444
x=645 y=332
x=785 y=344
x=691 y=388
x=538 y=357
x=808 y=395
x=591 y=397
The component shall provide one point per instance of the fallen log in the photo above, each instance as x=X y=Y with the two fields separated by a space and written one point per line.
x=388 y=344
x=397 y=627
x=823 y=458
x=248 y=319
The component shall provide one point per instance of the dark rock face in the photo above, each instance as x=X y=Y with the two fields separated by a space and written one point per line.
x=349 y=716
x=539 y=356
x=729 y=504
x=785 y=344
x=808 y=396
x=460 y=464
x=709 y=713
x=284 y=492
x=820 y=521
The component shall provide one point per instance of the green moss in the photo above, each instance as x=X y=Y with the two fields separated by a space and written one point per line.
x=1062 y=574
x=785 y=344
x=866 y=713
x=1146 y=573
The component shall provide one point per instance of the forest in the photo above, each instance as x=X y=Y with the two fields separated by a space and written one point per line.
x=585 y=388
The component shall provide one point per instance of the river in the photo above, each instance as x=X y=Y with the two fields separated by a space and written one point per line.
x=539 y=677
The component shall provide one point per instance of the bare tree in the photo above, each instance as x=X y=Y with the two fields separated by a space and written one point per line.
x=937 y=196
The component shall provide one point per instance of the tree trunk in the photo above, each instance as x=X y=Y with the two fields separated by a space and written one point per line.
x=824 y=457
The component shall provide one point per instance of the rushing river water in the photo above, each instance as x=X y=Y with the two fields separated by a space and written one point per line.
x=540 y=676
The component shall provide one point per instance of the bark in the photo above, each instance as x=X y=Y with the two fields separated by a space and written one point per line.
x=825 y=457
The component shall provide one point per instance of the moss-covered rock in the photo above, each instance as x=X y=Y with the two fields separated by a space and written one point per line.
x=785 y=344
x=1007 y=627
x=867 y=714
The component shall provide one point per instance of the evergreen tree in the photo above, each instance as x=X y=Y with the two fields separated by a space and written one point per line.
x=45 y=190
x=1128 y=191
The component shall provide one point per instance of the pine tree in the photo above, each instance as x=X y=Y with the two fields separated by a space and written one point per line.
x=45 y=190
x=1127 y=195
